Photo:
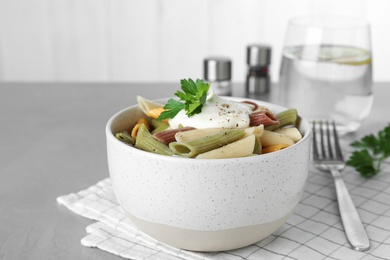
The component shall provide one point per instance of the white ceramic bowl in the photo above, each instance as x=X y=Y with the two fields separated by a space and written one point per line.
x=206 y=204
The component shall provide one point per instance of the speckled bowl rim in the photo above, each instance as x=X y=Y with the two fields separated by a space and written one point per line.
x=304 y=126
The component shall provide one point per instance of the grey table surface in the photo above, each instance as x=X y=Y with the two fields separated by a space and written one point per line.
x=53 y=143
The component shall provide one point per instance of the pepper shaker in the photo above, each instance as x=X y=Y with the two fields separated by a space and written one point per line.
x=217 y=71
x=258 y=59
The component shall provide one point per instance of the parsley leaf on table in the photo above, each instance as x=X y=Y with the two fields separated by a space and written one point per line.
x=371 y=152
x=192 y=99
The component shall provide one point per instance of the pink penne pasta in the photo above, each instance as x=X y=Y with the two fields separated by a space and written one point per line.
x=168 y=136
x=255 y=106
x=264 y=117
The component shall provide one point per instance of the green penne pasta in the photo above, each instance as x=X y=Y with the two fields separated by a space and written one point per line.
x=196 y=134
x=241 y=148
x=125 y=137
x=201 y=145
x=156 y=124
x=146 y=142
x=287 y=117
x=258 y=148
x=160 y=128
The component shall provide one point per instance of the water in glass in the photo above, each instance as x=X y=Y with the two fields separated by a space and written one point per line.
x=328 y=82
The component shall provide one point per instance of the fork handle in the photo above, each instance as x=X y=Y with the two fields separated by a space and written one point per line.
x=353 y=226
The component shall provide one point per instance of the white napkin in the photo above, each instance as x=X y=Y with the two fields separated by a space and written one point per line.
x=313 y=231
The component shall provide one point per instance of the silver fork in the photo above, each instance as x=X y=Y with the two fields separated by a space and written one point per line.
x=330 y=158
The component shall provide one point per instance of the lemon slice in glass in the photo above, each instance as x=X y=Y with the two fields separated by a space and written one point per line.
x=345 y=55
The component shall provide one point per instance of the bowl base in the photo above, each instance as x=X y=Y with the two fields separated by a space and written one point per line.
x=207 y=241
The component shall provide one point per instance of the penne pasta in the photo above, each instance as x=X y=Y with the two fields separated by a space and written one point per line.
x=201 y=145
x=253 y=105
x=269 y=138
x=125 y=137
x=155 y=123
x=168 y=136
x=146 y=142
x=159 y=126
x=254 y=130
x=146 y=105
x=274 y=148
x=241 y=148
x=141 y=121
x=266 y=132
x=196 y=134
x=265 y=118
x=293 y=132
x=258 y=148
x=287 y=117
x=155 y=112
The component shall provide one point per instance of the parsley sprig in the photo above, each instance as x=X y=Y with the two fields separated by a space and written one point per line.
x=372 y=151
x=191 y=100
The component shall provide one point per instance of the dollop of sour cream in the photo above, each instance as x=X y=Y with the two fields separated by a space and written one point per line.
x=217 y=112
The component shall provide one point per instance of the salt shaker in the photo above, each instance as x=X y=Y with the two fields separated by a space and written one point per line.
x=258 y=59
x=217 y=71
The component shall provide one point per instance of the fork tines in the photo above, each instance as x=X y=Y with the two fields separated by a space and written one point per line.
x=326 y=146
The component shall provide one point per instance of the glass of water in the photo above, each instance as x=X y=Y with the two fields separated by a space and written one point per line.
x=326 y=69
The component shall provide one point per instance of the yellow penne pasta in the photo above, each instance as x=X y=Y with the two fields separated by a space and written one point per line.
x=196 y=134
x=241 y=148
x=136 y=127
x=292 y=132
x=274 y=148
x=155 y=112
x=134 y=132
x=269 y=138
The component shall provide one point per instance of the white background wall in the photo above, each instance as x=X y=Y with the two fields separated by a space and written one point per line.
x=158 y=40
